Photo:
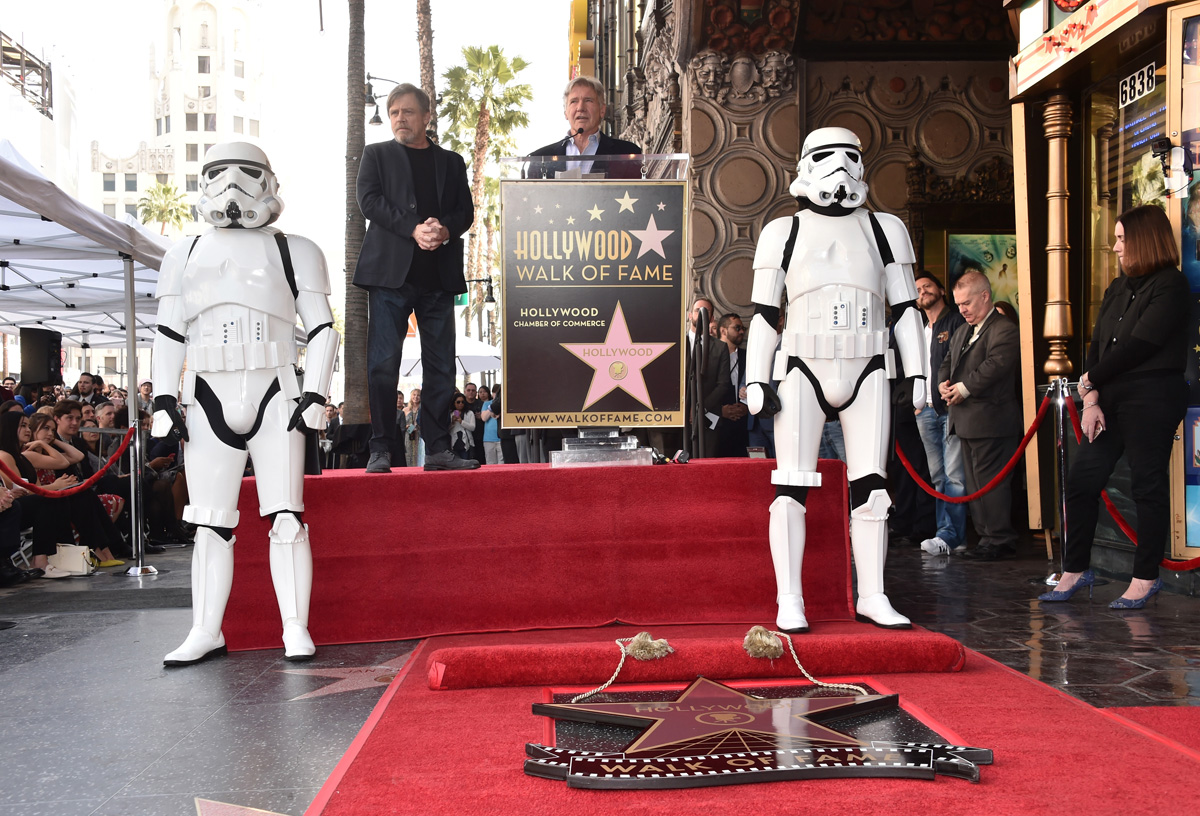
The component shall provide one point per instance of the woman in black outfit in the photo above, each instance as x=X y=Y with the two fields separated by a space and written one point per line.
x=1134 y=397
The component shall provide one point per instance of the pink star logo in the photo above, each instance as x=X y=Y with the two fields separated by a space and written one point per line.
x=617 y=362
x=651 y=238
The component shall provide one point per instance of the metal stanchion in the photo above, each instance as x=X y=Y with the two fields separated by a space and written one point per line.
x=140 y=567
x=1060 y=389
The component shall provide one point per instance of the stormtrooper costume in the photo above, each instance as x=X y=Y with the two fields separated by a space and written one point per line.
x=837 y=263
x=228 y=302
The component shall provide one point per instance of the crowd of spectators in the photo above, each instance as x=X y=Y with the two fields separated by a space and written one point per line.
x=57 y=439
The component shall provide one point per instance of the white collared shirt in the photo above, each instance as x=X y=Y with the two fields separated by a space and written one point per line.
x=593 y=142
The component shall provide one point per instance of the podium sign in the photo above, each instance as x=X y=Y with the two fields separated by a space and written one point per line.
x=593 y=281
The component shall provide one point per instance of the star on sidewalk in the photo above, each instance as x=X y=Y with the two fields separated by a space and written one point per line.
x=351 y=678
x=626 y=202
x=595 y=212
x=651 y=238
x=709 y=717
x=207 y=807
x=617 y=362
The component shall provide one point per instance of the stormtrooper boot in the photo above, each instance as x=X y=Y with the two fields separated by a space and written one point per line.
x=291 y=573
x=212 y=578
x=868 y=541
x=786 y=531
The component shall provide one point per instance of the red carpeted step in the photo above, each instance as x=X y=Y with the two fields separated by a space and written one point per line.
x=829 y=649
x=545 y=548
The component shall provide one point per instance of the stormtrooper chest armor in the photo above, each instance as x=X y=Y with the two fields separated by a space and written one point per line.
x=835 y=283
x=239 y=308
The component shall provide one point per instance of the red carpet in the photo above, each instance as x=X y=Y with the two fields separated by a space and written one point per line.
x=461 y=752
x=1178 y=723
x=404 y=555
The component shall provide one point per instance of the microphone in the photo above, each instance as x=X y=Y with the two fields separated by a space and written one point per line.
x=571 y=136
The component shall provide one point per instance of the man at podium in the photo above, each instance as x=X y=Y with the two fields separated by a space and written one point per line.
x=583 y=106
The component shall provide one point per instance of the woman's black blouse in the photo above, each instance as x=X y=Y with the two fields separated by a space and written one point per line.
x=1142 y=327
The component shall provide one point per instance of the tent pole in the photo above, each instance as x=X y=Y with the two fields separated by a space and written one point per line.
x=140 y=567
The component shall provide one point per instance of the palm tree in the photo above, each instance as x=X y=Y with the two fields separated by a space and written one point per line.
x=425 y=52
x=354 y=339
x=166 y=205
x=481 y=102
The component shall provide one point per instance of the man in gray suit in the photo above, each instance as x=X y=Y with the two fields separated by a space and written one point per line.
x=977 y=379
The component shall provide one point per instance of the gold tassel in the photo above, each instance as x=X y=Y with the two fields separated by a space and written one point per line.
x=639 y=647
x=761 y=642
x=643 y=647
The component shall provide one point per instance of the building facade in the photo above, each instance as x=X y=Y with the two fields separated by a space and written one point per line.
x=204 y=89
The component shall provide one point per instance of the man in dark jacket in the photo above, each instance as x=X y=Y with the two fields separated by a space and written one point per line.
x=583 y=106
x=416 y=197
x=942 y=451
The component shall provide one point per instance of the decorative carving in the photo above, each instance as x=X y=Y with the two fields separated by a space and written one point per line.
x=743 y=81
x=708 y=69
x=992 y=182
x=899 y=21
x=731 y=26
x=778 y=70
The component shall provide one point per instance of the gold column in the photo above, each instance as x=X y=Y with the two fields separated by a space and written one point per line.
x=1056 y=121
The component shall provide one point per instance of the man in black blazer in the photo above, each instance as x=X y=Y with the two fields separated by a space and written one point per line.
x=715 y=383
x=977 y=379
x=415 y=195
x=583 y=106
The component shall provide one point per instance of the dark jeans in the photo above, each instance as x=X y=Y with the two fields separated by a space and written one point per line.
x=387 y=326
x=1140 y=419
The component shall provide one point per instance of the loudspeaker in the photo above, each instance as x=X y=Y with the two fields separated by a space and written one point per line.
x=41 y=356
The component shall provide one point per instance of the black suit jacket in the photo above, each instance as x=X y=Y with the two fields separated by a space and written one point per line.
x=715 y=385
x=605 y=146
x=387 y=198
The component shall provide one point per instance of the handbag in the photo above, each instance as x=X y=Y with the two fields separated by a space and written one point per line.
x=72 y=558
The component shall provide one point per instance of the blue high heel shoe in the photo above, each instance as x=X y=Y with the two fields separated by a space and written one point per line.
x=1087 y=578
x=1137 y=603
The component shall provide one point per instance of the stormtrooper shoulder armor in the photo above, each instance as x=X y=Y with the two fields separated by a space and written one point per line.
x=170 y=275
x=769 y=252
x=308 y=263
x=898 y=238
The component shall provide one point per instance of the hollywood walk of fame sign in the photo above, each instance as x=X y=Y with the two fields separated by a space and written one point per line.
x=594 y=285
x=715 y=735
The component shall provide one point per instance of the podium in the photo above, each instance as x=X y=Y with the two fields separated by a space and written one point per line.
x=594 y=275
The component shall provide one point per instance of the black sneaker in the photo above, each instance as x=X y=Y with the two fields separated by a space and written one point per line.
x=446 y=460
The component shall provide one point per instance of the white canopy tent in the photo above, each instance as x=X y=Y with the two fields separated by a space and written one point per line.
x=65 y=266
x=471 y=357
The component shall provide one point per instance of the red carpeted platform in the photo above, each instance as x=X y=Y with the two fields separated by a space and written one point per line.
x=511 y=547
x=461 y=751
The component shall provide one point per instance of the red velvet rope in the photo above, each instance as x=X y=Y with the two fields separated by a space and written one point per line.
x=70 y=491
x=997 y=479
x=1175 y=566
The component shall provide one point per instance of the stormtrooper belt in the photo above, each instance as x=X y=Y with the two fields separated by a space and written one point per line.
x=238 y=356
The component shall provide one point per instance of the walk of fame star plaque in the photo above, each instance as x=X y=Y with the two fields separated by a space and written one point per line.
x=593 y=296
x=712 y=734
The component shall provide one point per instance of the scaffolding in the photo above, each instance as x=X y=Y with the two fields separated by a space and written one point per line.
x=30 y=75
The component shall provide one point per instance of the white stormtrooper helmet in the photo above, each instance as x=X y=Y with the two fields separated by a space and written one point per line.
x=238 y=188
x=830 y=170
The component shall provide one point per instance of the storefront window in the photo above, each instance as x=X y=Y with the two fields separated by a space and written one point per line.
x=1123 y=115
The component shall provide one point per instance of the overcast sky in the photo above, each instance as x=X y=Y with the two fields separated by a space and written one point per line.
x=104 y=48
